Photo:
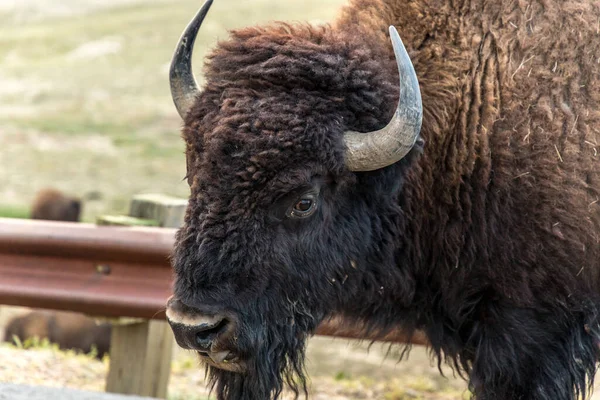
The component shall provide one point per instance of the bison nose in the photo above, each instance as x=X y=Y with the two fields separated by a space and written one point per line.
x=194 y=330
x=199 y=337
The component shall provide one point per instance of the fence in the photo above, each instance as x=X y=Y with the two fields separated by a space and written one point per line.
x=111 y=272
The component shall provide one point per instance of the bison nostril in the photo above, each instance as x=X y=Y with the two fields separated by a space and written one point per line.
x=206 y=335
x=194 y=330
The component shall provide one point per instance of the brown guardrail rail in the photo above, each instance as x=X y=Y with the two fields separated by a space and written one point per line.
x=99 y=270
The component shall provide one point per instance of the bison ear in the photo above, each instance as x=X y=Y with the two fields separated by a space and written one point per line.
x=373 y=150
x=184 y=88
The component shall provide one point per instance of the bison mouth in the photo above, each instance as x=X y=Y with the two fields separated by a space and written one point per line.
x=246 y=357
x=225 y=360
x=212 y=334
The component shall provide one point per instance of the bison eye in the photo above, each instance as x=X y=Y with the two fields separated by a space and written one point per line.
x=304 y=206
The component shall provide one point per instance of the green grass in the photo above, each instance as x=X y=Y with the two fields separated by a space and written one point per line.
x=123 y=220
x=124 y=88
x=342 y=375
x=11 y=211
x=36 y=343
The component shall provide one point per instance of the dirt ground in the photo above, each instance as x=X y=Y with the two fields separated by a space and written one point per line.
x=338 y=369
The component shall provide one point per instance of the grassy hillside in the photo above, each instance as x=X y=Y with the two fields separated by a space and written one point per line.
x=84 y=96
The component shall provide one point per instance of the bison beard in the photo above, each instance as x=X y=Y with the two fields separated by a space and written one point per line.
x=273 y=352
x=277 y=361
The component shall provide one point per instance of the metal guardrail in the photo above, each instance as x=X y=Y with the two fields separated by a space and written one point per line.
x=99 y=270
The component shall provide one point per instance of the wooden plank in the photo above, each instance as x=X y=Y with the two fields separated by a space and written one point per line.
x=140 y=359
x=125 y=220
x=166 y=210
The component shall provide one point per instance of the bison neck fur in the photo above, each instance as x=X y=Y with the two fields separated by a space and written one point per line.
x=487 y=239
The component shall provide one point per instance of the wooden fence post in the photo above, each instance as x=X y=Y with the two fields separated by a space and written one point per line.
x=141 y=350
x=140 y=359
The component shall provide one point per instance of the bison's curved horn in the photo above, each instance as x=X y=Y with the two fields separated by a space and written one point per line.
x=184 y=88
x=374 y=150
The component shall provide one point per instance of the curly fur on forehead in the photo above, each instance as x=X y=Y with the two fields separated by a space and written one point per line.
x=276 y=97
x=278 y=85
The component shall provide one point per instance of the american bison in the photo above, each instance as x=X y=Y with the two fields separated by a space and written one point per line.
x=68 y=330
x=316 y=191
x=51 y=204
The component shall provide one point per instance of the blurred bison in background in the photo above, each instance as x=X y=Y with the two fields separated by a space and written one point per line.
x=313 y=195
x=68 y=330
x=53 y=205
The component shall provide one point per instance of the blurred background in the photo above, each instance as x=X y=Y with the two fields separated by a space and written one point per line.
x=85 y=108
x=84 y=96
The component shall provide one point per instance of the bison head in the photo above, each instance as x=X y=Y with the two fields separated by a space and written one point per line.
x=294 y=195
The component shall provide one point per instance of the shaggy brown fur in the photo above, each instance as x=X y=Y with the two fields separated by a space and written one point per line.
x=68 y=330
x=51 y=204
x=489 y=241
